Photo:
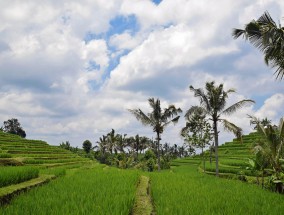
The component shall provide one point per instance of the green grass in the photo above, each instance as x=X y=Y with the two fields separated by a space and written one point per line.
x=143 y=204
x=14 y=175
x=84 y=191
x=186 y=191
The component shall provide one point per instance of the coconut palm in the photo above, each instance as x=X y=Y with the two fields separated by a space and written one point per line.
x=158 y=119
x=111 y=141
x=120 y=143
x=272 y=143
x=265 y=35
x=214 y=101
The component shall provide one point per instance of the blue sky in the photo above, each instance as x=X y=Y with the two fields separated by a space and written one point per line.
x=71 y=69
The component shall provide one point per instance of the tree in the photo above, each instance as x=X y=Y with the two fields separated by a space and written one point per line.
x=264 y=122
x=112 y=139
x=214 y=101
x=158 y=119
x=270 y=147
x=87 y=146
x=197 y=131
x=265 y=35
x=120 y=143
x=13 y=126
x=137 y=144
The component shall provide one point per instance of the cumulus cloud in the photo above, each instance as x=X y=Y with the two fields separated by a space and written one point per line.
x=67 y=74
x=272 y=108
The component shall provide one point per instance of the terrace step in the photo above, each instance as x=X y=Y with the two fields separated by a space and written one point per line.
x=7 y=193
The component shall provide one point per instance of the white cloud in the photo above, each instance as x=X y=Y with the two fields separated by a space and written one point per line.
x=272 y=108
x=44 y=61
x=124 y=41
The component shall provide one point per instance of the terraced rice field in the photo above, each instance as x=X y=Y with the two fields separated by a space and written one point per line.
x=18 y=151
x=90 y=188
x=100 y=190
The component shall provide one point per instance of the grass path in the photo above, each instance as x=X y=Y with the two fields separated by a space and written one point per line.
x=6 y=193
x=143 y=204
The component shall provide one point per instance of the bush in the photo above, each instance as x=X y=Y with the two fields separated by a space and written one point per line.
x=150 y=164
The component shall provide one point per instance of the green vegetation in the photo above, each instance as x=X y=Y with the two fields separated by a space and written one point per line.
x=213 y=101
x=186 y=191
x=158 y=119
x=85 y=191
x=13 y=126
x=14 y=175
x=17 y=151
x=268 y=37
x=143 y=204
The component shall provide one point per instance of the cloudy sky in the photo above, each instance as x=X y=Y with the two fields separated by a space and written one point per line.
x=69 y=69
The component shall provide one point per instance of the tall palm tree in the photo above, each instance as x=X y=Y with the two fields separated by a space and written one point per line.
x=158 y=119
x=214 y=101
x=265 y=35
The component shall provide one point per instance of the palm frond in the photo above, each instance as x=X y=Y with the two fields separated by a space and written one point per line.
x=233 y=108
x=140 y=116
x=260 y=128
x=174 y=121
x=236 y=33
x=195 y=110
x=230 y=127
x=202 y=97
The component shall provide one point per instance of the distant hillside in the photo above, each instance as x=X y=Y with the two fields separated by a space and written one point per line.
x=233 y=157
x=15 y=150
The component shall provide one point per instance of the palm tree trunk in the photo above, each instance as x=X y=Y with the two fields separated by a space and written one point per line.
x=216 y=146
x=262 y=180
x=203 y=159
x=158 y=151
x=211 y=154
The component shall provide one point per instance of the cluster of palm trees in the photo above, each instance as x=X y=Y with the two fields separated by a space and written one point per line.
x=114 y=148
x=213 y=102
x=269 y=151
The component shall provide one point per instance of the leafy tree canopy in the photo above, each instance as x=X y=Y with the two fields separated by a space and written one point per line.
x=87 y=146
x=13 y=126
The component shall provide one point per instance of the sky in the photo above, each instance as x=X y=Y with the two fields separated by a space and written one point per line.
x=70 y=70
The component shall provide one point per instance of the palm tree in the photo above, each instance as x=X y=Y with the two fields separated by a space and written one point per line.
x=271 y=146
x=102 y=144
x=213 y=101
x=158 y=119
x=137 y=144
x=265 y=35
x=111 y=141
x=120 y=143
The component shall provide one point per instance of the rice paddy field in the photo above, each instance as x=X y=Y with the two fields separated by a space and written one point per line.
x=99 y=190
x=184 y=190
x=79 y=186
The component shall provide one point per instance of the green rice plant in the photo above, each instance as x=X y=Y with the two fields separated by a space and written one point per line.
x=236 y=163
x=5 y=155
x=14 y=175
x=99 y=191
x=57 y=171
x=186 y=191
